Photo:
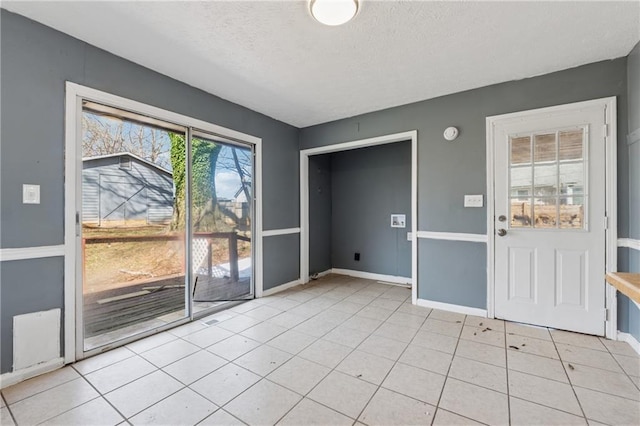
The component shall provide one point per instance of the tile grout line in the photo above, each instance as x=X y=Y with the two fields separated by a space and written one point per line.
x=265 y=343
x=446 y=376
x=554 y=380
x=394 y=363
x=444 y=384
x=371 y=333
x=637 y=385
x=122 y=385
x=574 y=386
x=162 y=370
x=573 y=390
x=352 y=351
x=265 y=377
x=103 y=396
x=100 y=395
x=568 y=379
x=220 y=407
x=335 y=368
x=42 y=391
x=6 y=405
x=506 y=366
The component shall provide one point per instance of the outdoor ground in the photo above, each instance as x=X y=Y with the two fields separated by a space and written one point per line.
x=110 y=265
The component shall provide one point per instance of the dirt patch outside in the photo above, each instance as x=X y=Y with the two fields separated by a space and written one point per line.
x=109 y=265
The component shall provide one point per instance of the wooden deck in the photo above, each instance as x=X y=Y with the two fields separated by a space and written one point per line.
x=110 y=310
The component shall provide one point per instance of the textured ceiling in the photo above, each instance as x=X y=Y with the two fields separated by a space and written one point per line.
x=274 y=58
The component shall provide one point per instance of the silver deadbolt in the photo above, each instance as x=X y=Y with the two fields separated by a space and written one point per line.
x=502 y=218
x=502 y=232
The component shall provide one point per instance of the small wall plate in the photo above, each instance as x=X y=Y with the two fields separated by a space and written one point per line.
x=398 y=221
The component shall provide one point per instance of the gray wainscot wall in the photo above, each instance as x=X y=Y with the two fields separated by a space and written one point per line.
x=629 y=258
x=36 y=61
x=352 y=195
x=454 y=272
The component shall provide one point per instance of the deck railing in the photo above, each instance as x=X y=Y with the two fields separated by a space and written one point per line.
x=232 y=237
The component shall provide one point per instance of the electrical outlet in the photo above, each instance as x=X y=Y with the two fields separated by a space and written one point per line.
x=473 y=200
x=30 y=194
x=356 y=257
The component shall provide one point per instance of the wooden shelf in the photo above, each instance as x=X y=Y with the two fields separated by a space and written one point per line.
x=626 y=283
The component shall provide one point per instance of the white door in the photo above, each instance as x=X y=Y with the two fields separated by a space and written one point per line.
x=549 y=201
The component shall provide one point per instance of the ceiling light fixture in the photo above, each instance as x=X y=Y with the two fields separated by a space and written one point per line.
x=333 y=12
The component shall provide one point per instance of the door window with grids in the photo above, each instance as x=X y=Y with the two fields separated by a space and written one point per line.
x=547 y=185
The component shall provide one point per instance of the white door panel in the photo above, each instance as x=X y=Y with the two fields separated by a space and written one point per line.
x=550 y=201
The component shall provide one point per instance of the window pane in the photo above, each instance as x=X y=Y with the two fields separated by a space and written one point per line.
x=545 y=212
x=571 y=144
x=133 y=225
x=221 y=212
x=572 y=212
x=521 y=180
x=521 y=150
x=545 y=180
x=572 y=178
x=545 y=147
x=521 y=213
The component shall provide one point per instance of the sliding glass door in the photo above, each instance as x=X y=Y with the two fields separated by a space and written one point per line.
x=132 y=239
x=221 y=218
x=164 y=227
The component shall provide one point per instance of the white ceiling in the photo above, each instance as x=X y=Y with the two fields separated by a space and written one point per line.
x=274 y=58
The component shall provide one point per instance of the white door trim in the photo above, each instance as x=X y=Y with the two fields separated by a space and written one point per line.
x=73 y=186
x=345 y=146
x=610 y=202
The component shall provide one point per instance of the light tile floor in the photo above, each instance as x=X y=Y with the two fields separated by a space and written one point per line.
x=341 y=351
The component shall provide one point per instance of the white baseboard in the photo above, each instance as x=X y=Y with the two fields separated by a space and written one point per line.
x=281 y=287
x=402 y=285
x=358 y=274
x=13 y=377
x=372 y=276
x=452 y=308
x=626 y=337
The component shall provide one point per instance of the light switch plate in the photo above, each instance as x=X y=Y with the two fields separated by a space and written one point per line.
x=473 y=200
x=30 y=194
x=409 y=236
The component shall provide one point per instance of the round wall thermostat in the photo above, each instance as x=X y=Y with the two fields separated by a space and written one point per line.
x=450 y=133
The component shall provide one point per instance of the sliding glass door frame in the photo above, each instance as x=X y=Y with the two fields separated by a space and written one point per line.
x=213 y=137
x=73 y=297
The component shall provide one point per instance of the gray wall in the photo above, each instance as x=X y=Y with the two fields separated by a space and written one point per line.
x=448 y=170
x=35 y=63
x=27 y=286
x=368 y=185
x=457 y=285
x=633 y=87
x=281 y=263
x=320 y=207
x=629 y=260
